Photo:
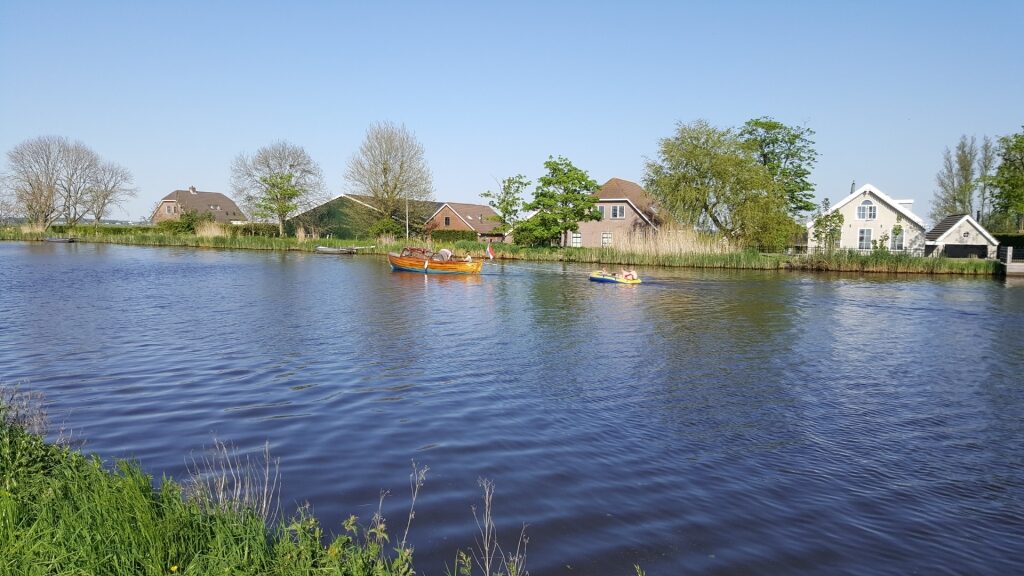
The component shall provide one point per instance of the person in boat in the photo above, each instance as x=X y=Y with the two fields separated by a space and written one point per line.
x=444 y=254
x=627 y=274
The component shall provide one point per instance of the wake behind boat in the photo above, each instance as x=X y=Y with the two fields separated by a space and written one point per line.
x=427 y=262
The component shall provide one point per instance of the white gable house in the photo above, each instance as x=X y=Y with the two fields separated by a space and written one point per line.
x=869 y=215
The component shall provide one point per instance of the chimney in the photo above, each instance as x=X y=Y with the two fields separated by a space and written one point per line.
x=191 y=189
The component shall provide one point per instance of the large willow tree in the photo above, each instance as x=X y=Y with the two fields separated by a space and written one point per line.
x=710 y=178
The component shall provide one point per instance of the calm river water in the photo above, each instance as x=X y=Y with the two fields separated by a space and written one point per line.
x=702 y=423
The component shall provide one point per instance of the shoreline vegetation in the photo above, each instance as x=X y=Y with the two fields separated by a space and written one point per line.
x=66 y=513
x=684 y=250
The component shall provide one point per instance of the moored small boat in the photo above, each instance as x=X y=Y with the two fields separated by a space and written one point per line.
x=427 y=262
x=332 y=250
x=599 y=276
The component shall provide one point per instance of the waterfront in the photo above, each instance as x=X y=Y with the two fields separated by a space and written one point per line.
x=707 y=422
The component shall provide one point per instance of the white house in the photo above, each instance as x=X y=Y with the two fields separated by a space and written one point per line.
x=960 y=236
x=870 y=215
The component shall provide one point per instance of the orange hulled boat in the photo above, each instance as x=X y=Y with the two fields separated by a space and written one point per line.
x=426 y=262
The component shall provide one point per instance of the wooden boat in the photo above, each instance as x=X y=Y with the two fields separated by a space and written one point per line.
x=427 y=262
x=599 y=276
x=61 y=240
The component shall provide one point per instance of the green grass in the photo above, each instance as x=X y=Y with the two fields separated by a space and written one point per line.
x=62 y=513
x=66 y=514
x=838 y=261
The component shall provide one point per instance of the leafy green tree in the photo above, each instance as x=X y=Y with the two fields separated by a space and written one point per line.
x=708 y=177
x=508 y=202
x=827 y=228
x=789 y=155
x=278 y=199
x=956 y=181
x=1008 y=181
x=563 y=198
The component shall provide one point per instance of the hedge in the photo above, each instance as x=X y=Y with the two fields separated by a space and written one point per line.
x=453 y=235
x=1015 y=240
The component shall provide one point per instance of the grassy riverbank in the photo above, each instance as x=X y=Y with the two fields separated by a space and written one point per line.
x=63 y=513
x=641 y=255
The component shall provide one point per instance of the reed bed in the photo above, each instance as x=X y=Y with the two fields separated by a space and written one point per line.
x=671 y=248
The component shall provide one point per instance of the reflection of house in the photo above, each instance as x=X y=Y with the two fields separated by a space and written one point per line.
x=176 y=203
x=869 y=215
x=476 y=217
x=960 y=236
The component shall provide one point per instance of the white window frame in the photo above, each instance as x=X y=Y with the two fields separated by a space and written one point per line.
x=601 y=210
x=867 y=210
x=864 y=240
x=618 y=212
x=447 y=221
x=606 y=239
x=898 y=242
x=577 y=240
x=170 y=209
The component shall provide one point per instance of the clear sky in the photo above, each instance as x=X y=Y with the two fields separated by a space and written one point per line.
x=175 y=90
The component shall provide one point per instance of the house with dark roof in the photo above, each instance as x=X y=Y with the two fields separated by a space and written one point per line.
x=176 y=203
x=625 y=209
x=479 y=218
x=870 y=215
x=960 y=236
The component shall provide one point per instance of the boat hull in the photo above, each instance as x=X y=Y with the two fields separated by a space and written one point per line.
x=612 y=279
x=427 y=266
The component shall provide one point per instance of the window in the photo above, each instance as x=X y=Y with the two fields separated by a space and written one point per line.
x=601 y=210
x=618 y=212
x=577 y=239
x=447 y=221
x=864 y=239
x=897 y=241
x=170 y=208
x=867 y=210
x=606 y=239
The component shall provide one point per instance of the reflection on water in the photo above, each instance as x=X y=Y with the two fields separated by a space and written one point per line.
x=704 y=422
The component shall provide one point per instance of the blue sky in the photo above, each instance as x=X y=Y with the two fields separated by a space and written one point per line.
x=175 y=90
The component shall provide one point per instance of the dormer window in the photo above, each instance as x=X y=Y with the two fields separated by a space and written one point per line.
x=867 y=210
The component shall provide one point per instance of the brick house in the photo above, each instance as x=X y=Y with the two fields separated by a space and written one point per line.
x=479 y=218
x=625 y=209
x=174 y=204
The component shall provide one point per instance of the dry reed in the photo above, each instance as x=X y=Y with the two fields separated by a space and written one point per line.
x=23 y=409
x=222 y=480
x=673 y=241
x=210 y=230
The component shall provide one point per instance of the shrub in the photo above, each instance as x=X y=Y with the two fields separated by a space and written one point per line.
x=265 y=229
x=186 y=223
x=386 y=227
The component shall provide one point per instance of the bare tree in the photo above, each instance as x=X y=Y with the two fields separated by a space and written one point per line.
x=111 y=186
x=987 y=160
x=34 y=169
x=78 y=166
x=250 y=174
x=8 y=204
x=390 y=168
x=956 y=181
